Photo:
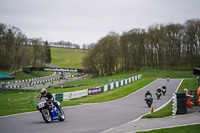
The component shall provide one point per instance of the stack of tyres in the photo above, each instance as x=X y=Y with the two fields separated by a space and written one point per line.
x=181 y=103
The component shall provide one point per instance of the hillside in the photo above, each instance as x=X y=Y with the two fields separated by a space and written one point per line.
x=67 y=58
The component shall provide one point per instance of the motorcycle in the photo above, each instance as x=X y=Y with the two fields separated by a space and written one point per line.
x=167 y=78
x=163 y=90
x=158 y=95
x=149 y=100
x=49 y=111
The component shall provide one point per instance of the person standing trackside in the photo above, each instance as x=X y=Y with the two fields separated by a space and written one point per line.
x=198 y=92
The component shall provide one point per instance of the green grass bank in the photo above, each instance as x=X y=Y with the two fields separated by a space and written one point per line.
x=67 y=58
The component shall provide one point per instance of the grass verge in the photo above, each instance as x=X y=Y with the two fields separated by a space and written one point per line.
x=183 y=129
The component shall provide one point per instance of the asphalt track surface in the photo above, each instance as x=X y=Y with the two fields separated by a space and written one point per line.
x=92 y=118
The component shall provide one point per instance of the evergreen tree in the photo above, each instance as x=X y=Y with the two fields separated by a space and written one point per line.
x=48 y=52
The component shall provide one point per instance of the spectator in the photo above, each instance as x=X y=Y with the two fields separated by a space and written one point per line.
x=198 y=92
x=188 y=96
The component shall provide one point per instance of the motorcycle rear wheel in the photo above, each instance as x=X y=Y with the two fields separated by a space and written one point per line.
x=46 y=116
x=158 y=96
x=164 y=92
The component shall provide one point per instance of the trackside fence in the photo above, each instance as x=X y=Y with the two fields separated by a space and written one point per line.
x=92 y=91
x=17 y=102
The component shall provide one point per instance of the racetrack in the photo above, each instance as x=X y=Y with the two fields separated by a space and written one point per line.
x=92 y=118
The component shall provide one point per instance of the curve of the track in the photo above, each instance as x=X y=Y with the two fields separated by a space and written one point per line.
x=91 y=118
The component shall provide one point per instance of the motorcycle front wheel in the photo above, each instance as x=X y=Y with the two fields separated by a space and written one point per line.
x=149 y=103
x=62 y=115
x=46 y=116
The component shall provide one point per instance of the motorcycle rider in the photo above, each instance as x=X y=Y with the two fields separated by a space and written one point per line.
x=164 y=88
x=148 y=98
x=148 y=93
x=167 y=78
x=158 y=90
x=50 y=97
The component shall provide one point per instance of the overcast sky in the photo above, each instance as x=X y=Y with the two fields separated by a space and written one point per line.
x=86 y=21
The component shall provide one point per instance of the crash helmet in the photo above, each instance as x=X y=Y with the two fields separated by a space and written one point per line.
x=148 y=91
x=43 y=92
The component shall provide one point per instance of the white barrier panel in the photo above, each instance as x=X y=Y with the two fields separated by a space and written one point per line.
x=105 y=88
x=135 y=77
x=77 y=94
x=122 y=82
x=129 y=80
x=140 y=76
x=66 y=96
x=117 y=84
x=132 y=78
x=125 y=81
x=112 y=86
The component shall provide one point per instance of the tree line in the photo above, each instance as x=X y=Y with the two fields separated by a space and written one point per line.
x=65 y=44
x=17 y=51
x=160 y=46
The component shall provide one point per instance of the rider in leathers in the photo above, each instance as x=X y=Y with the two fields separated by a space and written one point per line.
x=50 y=97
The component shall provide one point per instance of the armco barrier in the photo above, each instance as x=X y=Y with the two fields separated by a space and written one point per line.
x=105 y=88
x=66 y=96
x=119 y=83
x=122 y=82
x=94 y=91
x=78 y=94
x=112 y=86
x=108 y=87
x=19 y=81
x=59 y=97
x=102 y=88
x=82 y=93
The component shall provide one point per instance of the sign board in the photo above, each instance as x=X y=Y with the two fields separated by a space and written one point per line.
x=55 y=69
x=78 y=94
x=94 y=91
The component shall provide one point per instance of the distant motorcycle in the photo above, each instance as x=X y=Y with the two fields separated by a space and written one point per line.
x=158 y=95
x=149 y=100
x=167 y=78
x=164 y=90
x=49 y=111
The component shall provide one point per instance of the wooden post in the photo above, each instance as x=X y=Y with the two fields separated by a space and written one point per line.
x=8 y=103
x=193 y=87
x=29 y=101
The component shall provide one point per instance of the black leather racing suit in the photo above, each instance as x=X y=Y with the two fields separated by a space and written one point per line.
x=51 y=98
